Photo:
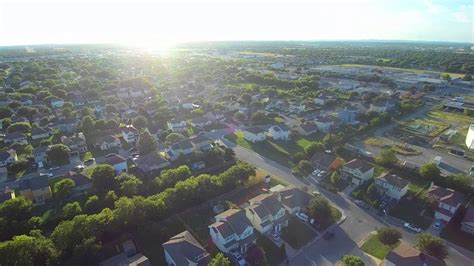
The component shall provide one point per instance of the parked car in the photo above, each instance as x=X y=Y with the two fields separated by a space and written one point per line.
x=79 y=167
x=316 y=172
x=362 y=204
x=471 y=171
x=46 y=174
x=412 y=227
x=316 y=193
x=236 y=255
x=53 y=168
x=89 y=161
x=437 y=225
x=329 y=235
x=303 y=217
x=109 y=155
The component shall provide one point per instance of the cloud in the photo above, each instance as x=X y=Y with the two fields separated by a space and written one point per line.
x=432 y=7
x=464 y=14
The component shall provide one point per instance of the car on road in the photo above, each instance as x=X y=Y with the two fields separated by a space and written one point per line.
x=110 y=155
x=46 y=174
x=89 y=161
x=53 y=168
x=437 y=225
x=412 y=227
x=329 y=235
x=79 y=167
x=316 y=172
x=362 y=204
x=236 y=255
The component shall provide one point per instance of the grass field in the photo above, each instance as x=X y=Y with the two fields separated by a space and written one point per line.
x=413 y=70
x=278 y=151
x=400 y=149
x=376 y=248
x=425 y=127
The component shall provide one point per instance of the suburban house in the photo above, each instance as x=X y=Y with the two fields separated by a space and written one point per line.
x=279 y=132
x=117 y=162
x=254 y=134
x=467 y=224
x=267 y=214
x=391 y=186
x=324 y=123
x=405 y=255
x=57 y=103
x=40 y=154
x=232 y=231
x=81 y=182
x=7 y=194
x=76 y=143
x=348 y=116
x=15 y=138
x=307 y=128
x=150 y=164
x=183 y=147
x=39 y=133
x=201 y=122
x=128 y=256
x=8 y=157
x=447 y=202
x=232 y=106
x=36 y=189
x=65 y=125
x=177 y=125
x=325 y=161
x=201 y=143
x=322 y=99
x=130 y=134
x=382 y=106
x=357 y=171
x=184 y=249
x=294 y=200
x=108 y=142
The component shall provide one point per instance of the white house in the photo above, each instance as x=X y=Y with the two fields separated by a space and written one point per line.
x=267 y=214
x=357 y=171
x=280 y=132
x=184 y=249
x=447 y=201
x=391 y=186
x=130 y=134
x=254 y=134
x=177 y=125
x=108 y=142
x=8 y=157
x=470 y=137
x=232 y=231
x=117 y=162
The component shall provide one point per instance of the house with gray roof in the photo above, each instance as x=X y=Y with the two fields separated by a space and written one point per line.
x=293 y=199
x=232 y=231
x=279 y=132
x=184 y=249
x=392 y=186
x=267 y=214
x=357 y=171
x=254 y=134
x=8 y=157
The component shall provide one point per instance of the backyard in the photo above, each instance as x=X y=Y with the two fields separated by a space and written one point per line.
x=297 y=234
x=424 y=127
x=374 y=247
x=414 y=213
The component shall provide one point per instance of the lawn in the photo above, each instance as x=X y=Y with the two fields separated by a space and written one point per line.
x=278 y=151
x=425 y=127
x=297 y=234
x=272 y=251
x=400 y=149
x=413 y=70
x=198 y=221
x=376 y=248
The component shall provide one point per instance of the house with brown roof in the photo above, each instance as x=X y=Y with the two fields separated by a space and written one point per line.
x=267 y=214
x=467 y=224
x=391 y=186
x=406 y=255
x=117 y=162
x=357 y=171
x=150 y=164
x=184 y=249
x=232 y=231
x=446 y=200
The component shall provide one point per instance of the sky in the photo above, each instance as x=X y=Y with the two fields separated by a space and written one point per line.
x=165 y=22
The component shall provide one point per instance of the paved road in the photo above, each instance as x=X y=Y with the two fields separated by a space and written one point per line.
x=358 y=224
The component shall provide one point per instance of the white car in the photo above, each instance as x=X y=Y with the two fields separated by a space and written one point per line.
x=303 y=217
x=316 y=172
x=412 y=227
x=46 y=174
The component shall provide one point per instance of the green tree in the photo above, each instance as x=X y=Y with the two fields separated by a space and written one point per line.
x=388 y=236
x=103 y=178
x=312 y=148
x=351 y=260
x=140 y=122
x=22 y=127
x=170 y=177
x=305 y=167
x=459 y=182
x=71 y=209
x=259 y=117
x=129 y=184
x=387 y=157
x=467 y=77
x=58 y=154
x=239 y=116
x=174 y=138
x=88 y=124
x=220 y=260
x=432 y=245
x=430 y=171
x=320 y=210
x=335 y=179
x=446 y=76
x=297 y=157
x=468 y=112
x=146 y=143
x=33 y=249
x=92 y=205
x=5 y=112
x=63 y=188
x=372 y=191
